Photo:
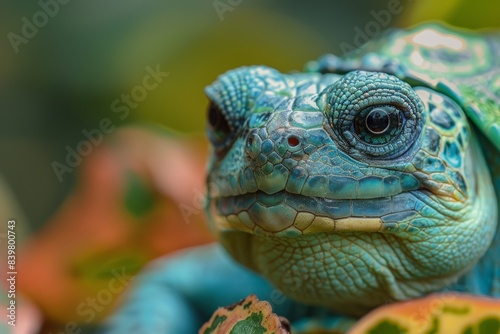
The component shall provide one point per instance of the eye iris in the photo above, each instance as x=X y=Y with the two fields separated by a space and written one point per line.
x=374 y=115
x=377 y=121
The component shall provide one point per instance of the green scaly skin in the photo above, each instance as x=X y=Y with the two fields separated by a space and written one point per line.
x=357 y=183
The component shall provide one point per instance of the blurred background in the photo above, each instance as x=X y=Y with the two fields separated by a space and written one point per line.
x=102 y=118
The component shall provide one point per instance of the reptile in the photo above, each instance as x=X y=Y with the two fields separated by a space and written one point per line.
x=365 y=179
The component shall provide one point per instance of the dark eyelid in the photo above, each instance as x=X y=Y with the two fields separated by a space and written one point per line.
x=218 y=129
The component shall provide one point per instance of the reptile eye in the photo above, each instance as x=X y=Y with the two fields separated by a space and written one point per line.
x=378 y=125
x=218 y=125
x=374 y=115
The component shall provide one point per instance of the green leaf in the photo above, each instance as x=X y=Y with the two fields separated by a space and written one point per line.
x=139 y=199
x=387 y=327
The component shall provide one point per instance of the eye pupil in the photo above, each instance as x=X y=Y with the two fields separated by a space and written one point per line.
x=378 y=125
x=378 y=121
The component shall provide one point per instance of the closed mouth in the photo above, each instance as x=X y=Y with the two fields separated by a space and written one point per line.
x=294 y=214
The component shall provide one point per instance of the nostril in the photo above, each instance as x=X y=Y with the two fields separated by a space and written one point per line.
x=293 y=141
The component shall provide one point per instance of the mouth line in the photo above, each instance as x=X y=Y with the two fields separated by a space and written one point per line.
x=293 y=214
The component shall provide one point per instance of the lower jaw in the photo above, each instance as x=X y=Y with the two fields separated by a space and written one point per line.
x=350 y=273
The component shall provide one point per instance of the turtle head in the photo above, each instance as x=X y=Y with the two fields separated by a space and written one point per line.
x=357 y=188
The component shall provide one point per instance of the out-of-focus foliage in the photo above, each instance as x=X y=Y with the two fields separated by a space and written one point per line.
x=132 y=204
x=462 y=13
